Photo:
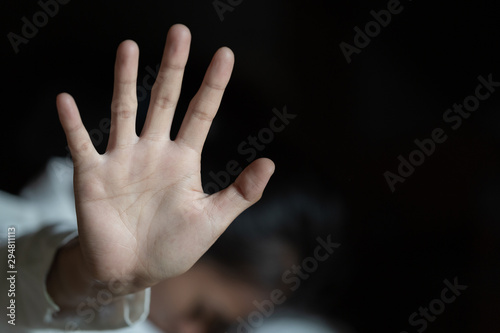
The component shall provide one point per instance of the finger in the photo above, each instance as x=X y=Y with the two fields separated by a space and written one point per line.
x=246 y=190
x=80 y=145
x=124 y=102
x=206 y=102
x=167 y=88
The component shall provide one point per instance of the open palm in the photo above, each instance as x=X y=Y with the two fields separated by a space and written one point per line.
x=142 y=213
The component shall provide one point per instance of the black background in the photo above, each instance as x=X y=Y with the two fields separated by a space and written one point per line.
x=353 y=120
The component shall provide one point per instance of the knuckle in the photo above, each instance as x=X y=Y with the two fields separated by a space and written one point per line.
x=248 y=190
x=84 y=146
x=165 y=102
x=175 y=65
x=241 y=193
x=201 y=113
x=123 y=110
x=124 y=113
x=215 y=85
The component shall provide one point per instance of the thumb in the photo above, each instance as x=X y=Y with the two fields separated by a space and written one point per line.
x=246 y=190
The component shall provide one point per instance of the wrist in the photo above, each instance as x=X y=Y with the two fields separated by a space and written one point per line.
x=68 y=281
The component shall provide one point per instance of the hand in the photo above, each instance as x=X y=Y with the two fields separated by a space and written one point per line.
x=142 y=213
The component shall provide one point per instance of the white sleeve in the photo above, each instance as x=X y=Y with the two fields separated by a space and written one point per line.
x=34 y=308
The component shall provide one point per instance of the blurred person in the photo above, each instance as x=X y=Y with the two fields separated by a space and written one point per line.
x=139 y=220
x=253 y=259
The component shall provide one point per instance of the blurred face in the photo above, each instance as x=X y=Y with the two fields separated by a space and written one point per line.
x=203 y=300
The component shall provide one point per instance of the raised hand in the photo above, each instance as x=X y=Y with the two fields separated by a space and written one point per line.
x=142 y=213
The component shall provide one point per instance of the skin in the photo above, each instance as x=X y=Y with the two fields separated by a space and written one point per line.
x=142 y=214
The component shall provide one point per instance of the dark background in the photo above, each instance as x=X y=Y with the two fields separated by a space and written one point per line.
x=353 y=120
